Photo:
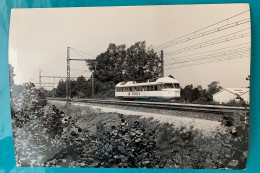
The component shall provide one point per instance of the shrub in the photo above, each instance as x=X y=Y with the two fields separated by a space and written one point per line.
x=132 y=141
x=140 y=142
x=26 y=103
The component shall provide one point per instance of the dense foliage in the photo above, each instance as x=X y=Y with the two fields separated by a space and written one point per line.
x=115 y=140
x=26 y=103
x=199 y=95
x=80 y=88
x=117 y=64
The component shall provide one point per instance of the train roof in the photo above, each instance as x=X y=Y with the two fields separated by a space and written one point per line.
x=158 y=81
x=166 y=80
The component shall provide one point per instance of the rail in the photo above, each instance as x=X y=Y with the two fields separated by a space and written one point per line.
x=216 y=109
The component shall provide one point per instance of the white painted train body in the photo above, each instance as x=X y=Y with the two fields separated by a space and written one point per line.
x=165 y=88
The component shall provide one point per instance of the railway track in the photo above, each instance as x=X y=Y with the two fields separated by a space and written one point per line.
x=216 y=109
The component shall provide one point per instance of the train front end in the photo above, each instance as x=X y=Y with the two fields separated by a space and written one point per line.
x=169 y=88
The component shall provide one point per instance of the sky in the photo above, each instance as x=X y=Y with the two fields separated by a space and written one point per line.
x=38 y=40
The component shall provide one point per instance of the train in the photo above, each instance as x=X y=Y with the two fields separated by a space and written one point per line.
x=163 y=89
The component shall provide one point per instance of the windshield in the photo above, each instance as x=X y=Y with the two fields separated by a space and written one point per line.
x=176 y=85
x=168 y=85
x=171 y=85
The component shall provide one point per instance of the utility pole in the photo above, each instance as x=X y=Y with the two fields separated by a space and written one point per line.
x=68 y=75
x=162 y=64
x=68 y=89
x=40 y=81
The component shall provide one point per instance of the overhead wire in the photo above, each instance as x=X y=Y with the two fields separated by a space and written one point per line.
x=197 y=31
x=211 y=61
x=240 y=49
x=210 y=57
x=211 y=42
x=75 y=50
x=170 y=59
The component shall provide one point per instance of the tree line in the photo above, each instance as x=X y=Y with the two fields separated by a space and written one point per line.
x=137 y=63
x=197 y=94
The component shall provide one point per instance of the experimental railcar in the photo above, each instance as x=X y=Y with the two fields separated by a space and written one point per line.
x=165 y=88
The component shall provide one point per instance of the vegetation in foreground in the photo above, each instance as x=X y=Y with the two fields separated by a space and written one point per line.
x=90 y=138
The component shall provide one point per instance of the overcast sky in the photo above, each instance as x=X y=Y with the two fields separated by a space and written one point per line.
x=39 y=39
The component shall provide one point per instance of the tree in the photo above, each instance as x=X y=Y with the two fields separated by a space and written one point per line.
x=52 y=93
x=213 y=88
x=73 y=88
x=203 y=98
x=61 y=89
x=109 y=65
x=141 y=63
x=11 y=75
x=137 y=63
x=81 y=87
x=195 y=94
x=117 y=64
x=187 y=92
x=78 y=88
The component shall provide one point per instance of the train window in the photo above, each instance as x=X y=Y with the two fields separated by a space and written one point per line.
x=152 y=88
x=168 y=85
x=155 y=87
x=134 y=88
x=176 y=85
x=130 y=88
x=148 y=88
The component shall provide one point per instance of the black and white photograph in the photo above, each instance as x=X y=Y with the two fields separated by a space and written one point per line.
x=163 y=86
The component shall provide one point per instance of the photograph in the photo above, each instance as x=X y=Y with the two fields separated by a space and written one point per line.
x=160 y=86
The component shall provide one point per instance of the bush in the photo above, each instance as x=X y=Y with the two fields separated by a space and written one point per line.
x=139 y=142
x=135 y=142
x=237 y=141
x=26 y=103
